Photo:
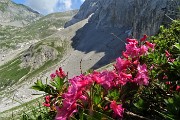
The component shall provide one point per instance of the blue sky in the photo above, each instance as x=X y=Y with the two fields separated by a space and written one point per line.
x=50 y=6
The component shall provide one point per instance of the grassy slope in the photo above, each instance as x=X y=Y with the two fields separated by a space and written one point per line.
x=11 y=72
x=46 y=26
x=15 y=113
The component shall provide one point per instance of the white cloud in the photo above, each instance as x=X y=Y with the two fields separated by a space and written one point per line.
x=42 y=6
x=49 y=6
x=64 y=5
x=68 y=4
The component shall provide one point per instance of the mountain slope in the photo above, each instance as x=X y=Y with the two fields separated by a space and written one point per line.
x=16 y=14
x=30 y=63
x=22 y=38
x=14 y=38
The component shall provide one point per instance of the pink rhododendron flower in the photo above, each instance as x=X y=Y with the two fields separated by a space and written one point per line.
x=81 y=81
x=142 y=75
x=117 y=109
x=136 y=62
x=152 y=67
x=105 y=79
x=168 y=83
x=61 y=114
x=178 y=88
x=121 y=64
x=123 y=78
x=47 y=101
x=144 y=38
x=143 y=50
x=60 y=73
x=150 y=45
x=78 y=84
x=132 y=41
x=167 y=53
x=48 y=98
x=53 y=76
x=69 y=104
x=66 y=111
x=132 y=50
x=124 y=75
x=171 y=60
x=46 y=104
x=125 y=55
x=165 y=77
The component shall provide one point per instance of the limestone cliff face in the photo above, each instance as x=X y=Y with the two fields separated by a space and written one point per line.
x=142 y=16
x=88 y=7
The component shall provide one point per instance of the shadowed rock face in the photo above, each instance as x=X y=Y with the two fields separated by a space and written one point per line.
x=143 y=16
x=110 y=22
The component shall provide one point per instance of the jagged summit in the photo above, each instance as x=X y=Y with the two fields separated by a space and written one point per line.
x=142 y=16
x=86 y=9
x=16 y=14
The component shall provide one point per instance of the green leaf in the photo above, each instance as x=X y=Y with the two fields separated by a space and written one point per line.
x=38 y=86
x=53 y=84
x=177 y=45
x=50 y=90
x=58 y=82
x=170 y=100
x=97 y=99
x=139 y=104
x=114 y=94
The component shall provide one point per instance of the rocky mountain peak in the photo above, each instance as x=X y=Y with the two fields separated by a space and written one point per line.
x=16 y=14
x=142 y=16
x=4 y=1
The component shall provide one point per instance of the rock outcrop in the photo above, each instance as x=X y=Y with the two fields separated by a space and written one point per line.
x=37 y=57
x=142 y=16
x=16 y=14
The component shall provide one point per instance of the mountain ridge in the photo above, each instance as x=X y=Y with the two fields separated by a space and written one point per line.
x=16 y=14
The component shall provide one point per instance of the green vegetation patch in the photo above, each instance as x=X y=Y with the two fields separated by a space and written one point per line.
x=3 y=7
x=27 y=111
x=11 y=72
x=167 y=37
x=40 y=29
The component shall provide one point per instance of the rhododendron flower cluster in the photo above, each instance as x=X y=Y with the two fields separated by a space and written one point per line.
x=78 y=84
x=169 y=56
x=47 y=101
x=117 y=109
x=127 y=69
x=60 y=73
